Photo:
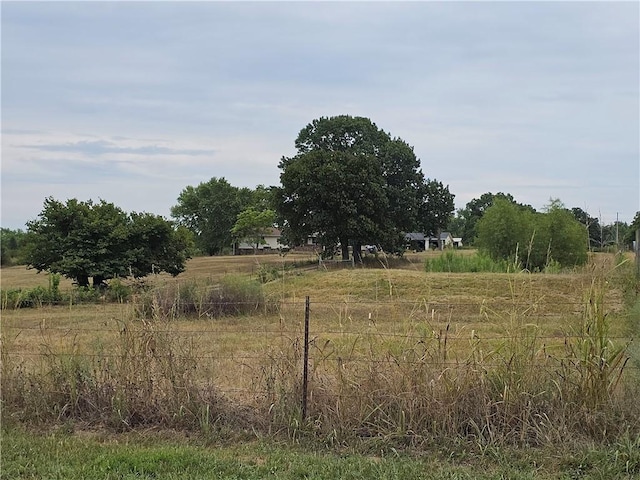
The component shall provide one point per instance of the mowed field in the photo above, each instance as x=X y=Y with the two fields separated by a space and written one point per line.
x=356 y=314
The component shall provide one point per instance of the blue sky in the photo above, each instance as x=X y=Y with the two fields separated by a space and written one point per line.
x=133 y=101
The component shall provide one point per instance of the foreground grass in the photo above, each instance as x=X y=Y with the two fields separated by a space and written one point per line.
x=63 y=455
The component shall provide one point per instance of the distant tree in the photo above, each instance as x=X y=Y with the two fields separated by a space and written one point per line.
x=407 y=195
x=464 y=223
x=262 y=198
x=83 y=240
x=591 y=225
x=531 y=239
x=502 y=230
x=156 y=245
x=630 y=235
x=436 y=209
x=11 y=244
x=210 y=211
x=350 y=183
x=621 y=232
x=566 y=236
x=252 y=224
x=338 y=196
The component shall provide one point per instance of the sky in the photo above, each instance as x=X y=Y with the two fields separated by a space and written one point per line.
x=131 y=102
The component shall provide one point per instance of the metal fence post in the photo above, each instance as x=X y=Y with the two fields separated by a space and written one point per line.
x=638 y=252
x=305 y=371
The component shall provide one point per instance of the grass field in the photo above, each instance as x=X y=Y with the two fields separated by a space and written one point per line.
x=399 y=358
x=172 y=456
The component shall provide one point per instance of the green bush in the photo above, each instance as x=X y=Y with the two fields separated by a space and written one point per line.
x=85 y=295
x=458 y=263
x=534 y=240
x=117 y=291
x=33 y=297
x=237 y=295
x=27 y=298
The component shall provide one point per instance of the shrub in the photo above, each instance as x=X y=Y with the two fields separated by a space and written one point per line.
x=235 y=295
x=33 y=297
x=85 y=295
x=535 y=240
x=457 y=263
x=117 y=291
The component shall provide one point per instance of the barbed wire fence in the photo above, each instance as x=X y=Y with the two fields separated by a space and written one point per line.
x=372 y=334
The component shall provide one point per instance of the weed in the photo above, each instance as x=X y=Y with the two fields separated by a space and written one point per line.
x=457 y=263
x=234 y=295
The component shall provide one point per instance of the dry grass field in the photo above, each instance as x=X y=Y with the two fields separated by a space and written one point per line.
x=355 y=312
x=392 y=349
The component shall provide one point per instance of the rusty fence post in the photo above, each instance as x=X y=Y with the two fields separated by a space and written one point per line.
x=638 y=252
x=305 y=371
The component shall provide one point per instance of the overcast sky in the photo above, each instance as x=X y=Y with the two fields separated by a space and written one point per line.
x=132 y=102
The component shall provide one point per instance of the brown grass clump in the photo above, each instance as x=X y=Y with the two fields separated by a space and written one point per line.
x=145 y=379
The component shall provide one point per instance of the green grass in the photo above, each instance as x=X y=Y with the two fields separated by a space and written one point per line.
x=68 y=456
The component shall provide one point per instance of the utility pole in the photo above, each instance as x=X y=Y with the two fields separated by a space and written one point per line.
x=601 y=231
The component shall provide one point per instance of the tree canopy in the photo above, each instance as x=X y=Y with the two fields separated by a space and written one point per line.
x=12 y=243
x=350 y=183
x=466 y=219
x=630 y=235
x=210 y=211
x=436 y=208
x=83 y=240
x=530 y=239
x=252 y=224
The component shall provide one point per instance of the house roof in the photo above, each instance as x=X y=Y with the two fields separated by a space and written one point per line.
x=414 y=236
x=273 y=232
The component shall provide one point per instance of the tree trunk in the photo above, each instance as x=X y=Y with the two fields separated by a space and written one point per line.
x=98 y=281
x=357 y=253
x=344 y=245
x=82 y=280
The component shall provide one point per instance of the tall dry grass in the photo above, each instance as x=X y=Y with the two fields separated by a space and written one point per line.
x=148 y=378
x=522 y=388
x=383 y=368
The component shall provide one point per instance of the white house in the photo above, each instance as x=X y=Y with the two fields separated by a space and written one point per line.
x=270 y=241
x=445 y=241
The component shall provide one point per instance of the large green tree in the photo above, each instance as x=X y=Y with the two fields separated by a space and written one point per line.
x=436 y=208
x=350 y=183
x=565 y=235
x=83 y=240
x=156 y=245
x=210 y=211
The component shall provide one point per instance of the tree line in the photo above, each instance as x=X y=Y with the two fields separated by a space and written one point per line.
x=350 y=183
x=597 y=235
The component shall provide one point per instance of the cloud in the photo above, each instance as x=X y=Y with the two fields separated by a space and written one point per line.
x=537 y=99
x=102 y=147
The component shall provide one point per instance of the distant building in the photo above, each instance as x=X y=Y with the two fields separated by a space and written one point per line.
x=419 y=242
x=270 y=241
